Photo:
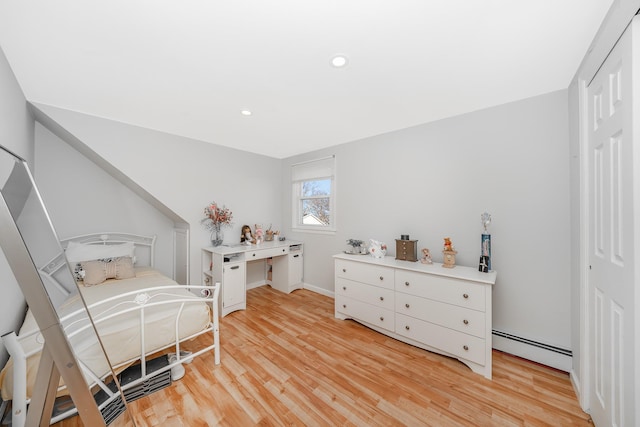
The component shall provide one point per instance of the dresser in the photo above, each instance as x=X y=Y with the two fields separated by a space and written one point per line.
x=447 y=311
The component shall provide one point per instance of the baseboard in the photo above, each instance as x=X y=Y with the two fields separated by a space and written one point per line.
x=530 y=350
x=318 y=290
x=577 y=388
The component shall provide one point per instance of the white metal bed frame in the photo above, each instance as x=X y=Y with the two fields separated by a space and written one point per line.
x=139 y=301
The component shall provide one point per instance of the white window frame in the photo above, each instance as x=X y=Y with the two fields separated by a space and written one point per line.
x=312 y=170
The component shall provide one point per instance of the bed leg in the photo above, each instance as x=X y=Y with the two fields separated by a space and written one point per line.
x=19 y=404
x=216 y=325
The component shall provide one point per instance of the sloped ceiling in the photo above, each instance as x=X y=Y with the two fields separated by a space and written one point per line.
x=189 y=67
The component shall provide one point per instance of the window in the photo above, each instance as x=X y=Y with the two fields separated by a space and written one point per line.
x=314 y=188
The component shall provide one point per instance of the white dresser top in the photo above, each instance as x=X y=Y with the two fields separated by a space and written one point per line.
x=457 y=272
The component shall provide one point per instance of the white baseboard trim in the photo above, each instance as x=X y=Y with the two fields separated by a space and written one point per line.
x=318 y=290
x=533 y=353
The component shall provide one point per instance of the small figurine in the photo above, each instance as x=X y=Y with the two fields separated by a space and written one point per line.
x=449 y=254
x=426 y=256
x=247 y=237
x=259 y=234
x=448 y=246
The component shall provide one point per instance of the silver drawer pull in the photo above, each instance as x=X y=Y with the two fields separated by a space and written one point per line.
x=465 y=296
x=407 y=327
x=465 y=321
x=406 y=283
x=235 y=267
x=381 y=319
x=407 y=305
x=466 y=347
x=381 y=298
x=381 y=278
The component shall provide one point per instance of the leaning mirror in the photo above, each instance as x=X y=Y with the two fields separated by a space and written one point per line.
x=58 y=366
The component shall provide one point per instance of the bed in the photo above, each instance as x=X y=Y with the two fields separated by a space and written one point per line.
x=136 y=310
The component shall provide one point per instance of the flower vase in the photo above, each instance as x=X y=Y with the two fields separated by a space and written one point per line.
x=217 y=236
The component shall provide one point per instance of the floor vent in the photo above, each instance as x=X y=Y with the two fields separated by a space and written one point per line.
x=543 y=346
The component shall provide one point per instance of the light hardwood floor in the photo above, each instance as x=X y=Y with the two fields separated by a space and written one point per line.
x=287 y=361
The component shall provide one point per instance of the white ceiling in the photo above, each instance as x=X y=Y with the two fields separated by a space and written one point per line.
x=189 y=67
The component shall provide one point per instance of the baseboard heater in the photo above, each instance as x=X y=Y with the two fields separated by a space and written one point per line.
x=562 y=351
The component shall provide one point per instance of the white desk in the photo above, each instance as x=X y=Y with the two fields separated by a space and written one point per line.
x=282 y=268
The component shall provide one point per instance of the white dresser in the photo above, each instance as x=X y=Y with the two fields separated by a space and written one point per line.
x=444 y=310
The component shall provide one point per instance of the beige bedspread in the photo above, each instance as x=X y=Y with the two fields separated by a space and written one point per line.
x=120 y=336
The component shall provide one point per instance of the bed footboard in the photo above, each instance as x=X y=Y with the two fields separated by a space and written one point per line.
x=139 y=304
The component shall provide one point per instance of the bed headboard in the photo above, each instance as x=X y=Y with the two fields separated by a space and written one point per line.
x=144 y=252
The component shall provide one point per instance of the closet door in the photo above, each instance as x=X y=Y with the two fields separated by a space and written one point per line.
x=611 y=311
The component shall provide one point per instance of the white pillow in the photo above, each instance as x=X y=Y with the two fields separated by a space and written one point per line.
x=78 y=252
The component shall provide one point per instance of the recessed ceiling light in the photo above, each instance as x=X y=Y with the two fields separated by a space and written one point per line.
x=339 y=61
x=246 y=112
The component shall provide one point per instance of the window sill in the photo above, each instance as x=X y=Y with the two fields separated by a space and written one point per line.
x=313 y=230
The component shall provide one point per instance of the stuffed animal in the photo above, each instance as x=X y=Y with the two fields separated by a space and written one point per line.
x=448 y=246
x=259 y=234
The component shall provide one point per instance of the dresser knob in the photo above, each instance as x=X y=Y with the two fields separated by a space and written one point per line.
x=406 y=283
x=381 y=278
x=465 y=296
x=381 y=319
x=344 y=305
x=407 y=305
x=344 y=270
x=407 y=327
x=466 y=347
x=381 y=298
x=344 y=288
x=465 y=321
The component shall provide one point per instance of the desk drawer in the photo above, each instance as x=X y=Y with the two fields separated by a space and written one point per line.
x=266 y=253
x=380 y=297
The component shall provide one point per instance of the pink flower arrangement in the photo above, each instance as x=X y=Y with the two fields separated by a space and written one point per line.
x=216 y=216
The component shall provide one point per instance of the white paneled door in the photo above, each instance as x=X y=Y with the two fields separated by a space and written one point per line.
x=611 y=298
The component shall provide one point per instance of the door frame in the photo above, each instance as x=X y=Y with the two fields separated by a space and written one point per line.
x=615 y=23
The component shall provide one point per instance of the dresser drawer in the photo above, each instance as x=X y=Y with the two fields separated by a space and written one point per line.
x=455 y=343
x=451 y=316
x=366 y=273
x=368 y=313
x=374 y=295
x=438 y=288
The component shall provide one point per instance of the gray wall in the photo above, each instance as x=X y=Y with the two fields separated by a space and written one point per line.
x=434 y=181
x=82 y=198
x=182 y=174
x=16 y=134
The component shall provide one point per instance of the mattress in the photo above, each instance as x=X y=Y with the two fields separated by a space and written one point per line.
x=119 y=329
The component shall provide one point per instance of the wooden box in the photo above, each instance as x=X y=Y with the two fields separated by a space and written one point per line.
x=407 y=250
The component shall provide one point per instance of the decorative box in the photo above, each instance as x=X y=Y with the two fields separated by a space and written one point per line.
x=407 y=250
